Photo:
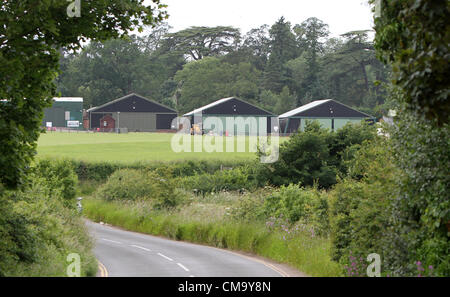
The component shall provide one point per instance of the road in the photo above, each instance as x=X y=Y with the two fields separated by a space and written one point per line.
x=124 y=253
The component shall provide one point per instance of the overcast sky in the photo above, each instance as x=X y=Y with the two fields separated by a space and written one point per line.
x=341 y=15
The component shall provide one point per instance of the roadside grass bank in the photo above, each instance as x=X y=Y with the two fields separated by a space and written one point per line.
x=199 y=223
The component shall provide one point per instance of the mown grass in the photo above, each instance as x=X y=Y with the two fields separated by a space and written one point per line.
x=308 y=254
x=131 y=147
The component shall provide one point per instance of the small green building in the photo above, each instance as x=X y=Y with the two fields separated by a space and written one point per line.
x=66 y=112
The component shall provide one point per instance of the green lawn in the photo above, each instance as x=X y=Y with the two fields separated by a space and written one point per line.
x=131 y=147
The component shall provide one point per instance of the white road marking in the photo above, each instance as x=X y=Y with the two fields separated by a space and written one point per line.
x=140 y=247
x=182 y=266
x=110 y=240
x=165 y=257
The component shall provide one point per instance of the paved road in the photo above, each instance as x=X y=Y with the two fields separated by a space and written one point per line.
x=124 y=253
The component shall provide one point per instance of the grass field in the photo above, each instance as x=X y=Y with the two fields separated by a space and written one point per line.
x=126 y=148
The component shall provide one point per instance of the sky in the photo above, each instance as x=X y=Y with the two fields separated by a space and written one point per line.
x=341 y=15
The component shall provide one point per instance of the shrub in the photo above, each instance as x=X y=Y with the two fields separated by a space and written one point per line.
x=100 y=171
x=250 y=208
x=132 y=184
x=359 y=209
x=315 y=156
x=309 y=206
x=60 y=176
x=225 y=180
x=37 y=232
x=129 y=184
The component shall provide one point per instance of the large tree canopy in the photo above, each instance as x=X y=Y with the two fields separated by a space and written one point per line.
x=30 y=36
x=277 y=67
x=414 y=36
x=199 y=42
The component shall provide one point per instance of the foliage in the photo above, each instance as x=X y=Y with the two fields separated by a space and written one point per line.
x=133 y=185
x=200 y=42
x=210 y=79
x=303 y=158
x=346 y=141
x=106 y=71
x=100 y=171
x=282 y=48
x=250 y=207
x=60 y=176
x=29 y=63
x=297 y=204
x=315 y=155
x=225 y=180
x=257 y=67
x=285 y=102
x=420 y=215
x=38 y=232
x=359 y=208
x=412 y=36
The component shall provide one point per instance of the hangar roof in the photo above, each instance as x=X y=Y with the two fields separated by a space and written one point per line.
x=325 y=108
x=132 y=103
x=230 y=106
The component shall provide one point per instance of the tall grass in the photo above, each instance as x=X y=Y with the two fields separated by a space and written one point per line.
x=304 y=252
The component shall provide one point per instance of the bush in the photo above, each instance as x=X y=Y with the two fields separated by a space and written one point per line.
x=250 y=208
x=100 y=171
x=60 y=176
x=225 y=180
x=359 y=209
x=132 y=184
x=420 y=213
x=309 y=206
x=316 y=155
x=38 y=232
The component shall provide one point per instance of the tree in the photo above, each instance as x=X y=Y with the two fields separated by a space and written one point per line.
x=303 y=159
x=211 y=78
x=285 y=101
x=199 y=42
x=283 y=48
x=352 y=71
x=310 y=36
x=412 y=37
x=30 y=35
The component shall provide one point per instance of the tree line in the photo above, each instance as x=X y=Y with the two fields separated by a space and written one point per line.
x=276 y=67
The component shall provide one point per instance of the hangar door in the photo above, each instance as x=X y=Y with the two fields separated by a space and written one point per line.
x=241 y=125
x=136 y=121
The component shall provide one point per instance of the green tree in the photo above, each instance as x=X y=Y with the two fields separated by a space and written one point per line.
x=211 y=79
x=199 y=42
x=30 y=35
x=285 y=101
x=310 y=35
x=283 y=48
x=412 y=37
x=303 y=159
